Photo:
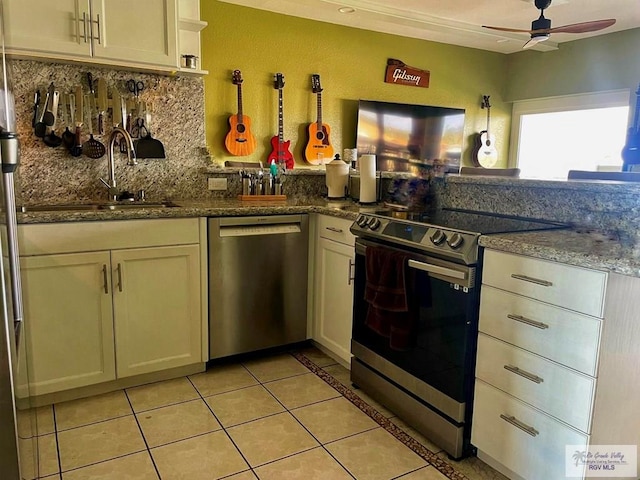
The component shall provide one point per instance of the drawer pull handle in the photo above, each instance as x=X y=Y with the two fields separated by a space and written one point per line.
x=335 y=230
x=528 y=321
x=105 y=278
x=537 y=281
x=351 y=269
x=525 y=374
x=517 y=423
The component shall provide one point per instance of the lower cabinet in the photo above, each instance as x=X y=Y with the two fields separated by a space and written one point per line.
x=68 y=320
x=93 y=317
x=334 y=286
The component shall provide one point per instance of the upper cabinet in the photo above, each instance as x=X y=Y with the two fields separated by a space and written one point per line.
x=140 y=35
x=189 y=27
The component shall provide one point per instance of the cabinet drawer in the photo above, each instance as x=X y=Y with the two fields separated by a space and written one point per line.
x=336 y=229
x=536 y=454
x=563 y=393
x=44 y=238
x=571 y=287
x=561 y=335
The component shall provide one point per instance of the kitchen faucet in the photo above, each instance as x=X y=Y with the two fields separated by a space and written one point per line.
x=131 y=160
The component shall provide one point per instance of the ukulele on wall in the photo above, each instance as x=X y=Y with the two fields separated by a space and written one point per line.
x=239 y=141
x=280 y=153
x=319 y=145
x=484 y=151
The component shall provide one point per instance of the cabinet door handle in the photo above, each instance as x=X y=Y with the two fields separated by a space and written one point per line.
x=120 y=286
x=524 y=373
x=334 y=229
x=537 y=281
x=528 y=321
x=352 y=277
x=105 y=279
x=99 y=37
x=84 y=27
x=522 y=426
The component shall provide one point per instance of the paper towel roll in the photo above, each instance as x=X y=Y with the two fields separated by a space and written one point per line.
x=367 y=165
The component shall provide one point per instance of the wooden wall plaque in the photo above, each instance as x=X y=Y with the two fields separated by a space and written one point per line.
x=400 y=73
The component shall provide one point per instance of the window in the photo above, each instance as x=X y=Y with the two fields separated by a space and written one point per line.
x=579 y=132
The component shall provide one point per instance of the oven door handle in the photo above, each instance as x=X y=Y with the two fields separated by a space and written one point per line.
x=428 y=267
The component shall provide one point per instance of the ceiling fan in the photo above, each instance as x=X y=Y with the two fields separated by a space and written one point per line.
x=541 y=28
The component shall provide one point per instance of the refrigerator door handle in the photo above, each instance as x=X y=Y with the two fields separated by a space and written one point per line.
x=14 y=256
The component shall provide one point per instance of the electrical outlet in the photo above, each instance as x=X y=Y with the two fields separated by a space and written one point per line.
x=217 y=183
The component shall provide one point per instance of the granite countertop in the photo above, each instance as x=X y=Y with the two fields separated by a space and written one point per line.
x=193 y=208
x=581 y=247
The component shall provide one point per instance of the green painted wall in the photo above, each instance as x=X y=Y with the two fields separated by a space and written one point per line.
x=606 y=62
x=351 y=63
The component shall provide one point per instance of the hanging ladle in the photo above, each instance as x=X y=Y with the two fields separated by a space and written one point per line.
x=68 y=138
x=51 y=139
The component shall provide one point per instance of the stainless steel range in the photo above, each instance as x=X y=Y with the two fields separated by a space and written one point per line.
x=415 y=322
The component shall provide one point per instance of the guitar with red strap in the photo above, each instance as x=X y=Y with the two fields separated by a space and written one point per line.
x=239 y=141
x=319 y=149
x=280 y=153
x=484 y=151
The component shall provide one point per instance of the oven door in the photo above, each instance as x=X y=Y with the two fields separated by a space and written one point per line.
x=443 y=308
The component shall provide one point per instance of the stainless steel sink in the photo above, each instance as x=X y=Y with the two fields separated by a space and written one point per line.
x=83 y=207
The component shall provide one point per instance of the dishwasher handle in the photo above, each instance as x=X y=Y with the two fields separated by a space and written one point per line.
x=263 y=225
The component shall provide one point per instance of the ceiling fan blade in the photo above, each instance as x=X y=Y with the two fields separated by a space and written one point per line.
x=535 y=40
x=583 y=27
x=505 y=29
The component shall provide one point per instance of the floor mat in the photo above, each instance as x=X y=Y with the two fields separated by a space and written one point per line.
x=437 y=462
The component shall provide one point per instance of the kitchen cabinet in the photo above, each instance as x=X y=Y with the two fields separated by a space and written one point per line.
x=189 y=28
x=555 y=342
x=69 y=320
x=333 y=286
x=129 y=304
x=111 y=32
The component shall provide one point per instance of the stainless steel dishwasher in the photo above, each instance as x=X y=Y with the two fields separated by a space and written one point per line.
x=257 y=282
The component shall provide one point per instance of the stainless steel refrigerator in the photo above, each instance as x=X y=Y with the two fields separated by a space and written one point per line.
x=18 y=430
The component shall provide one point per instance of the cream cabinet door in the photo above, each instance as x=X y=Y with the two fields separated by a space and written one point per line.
x=47 y=26
x=334 y=297
x=68 y=320
x=138 y=32
x=156 y=302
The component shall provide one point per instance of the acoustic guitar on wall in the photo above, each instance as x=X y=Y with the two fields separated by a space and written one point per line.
x=239 y=141
x=484 y=150
x=319 y=148
x=280 y=149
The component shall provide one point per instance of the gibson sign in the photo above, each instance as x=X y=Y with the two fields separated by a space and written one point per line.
x=398 y=72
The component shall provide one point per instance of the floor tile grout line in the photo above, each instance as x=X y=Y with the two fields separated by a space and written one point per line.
x=96 y=423
x=221 y=426
x=55 y=431
x=399 y=477
x=399 y=434
x=102 y=461
x=144 y=439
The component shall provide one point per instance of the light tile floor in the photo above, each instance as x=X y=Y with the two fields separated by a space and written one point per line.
x=261 y=419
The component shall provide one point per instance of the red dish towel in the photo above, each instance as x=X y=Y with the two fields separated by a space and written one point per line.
x=388 y=313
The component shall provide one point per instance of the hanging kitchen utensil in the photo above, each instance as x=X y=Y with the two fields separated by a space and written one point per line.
x=68 y=137
x=40 y=128
x=116 y=110
x=76 y=150
x=36 y=105
x=50 y=114
x=103 y=101
x=92 y=148
x=147 y=146
x=51 y=139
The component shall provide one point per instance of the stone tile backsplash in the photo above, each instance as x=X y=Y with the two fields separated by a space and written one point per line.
x=52 y=175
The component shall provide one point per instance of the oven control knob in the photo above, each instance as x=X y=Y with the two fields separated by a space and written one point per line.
x=455 y=241
x=362 y=221
x=438 y=237
x=374 y=224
